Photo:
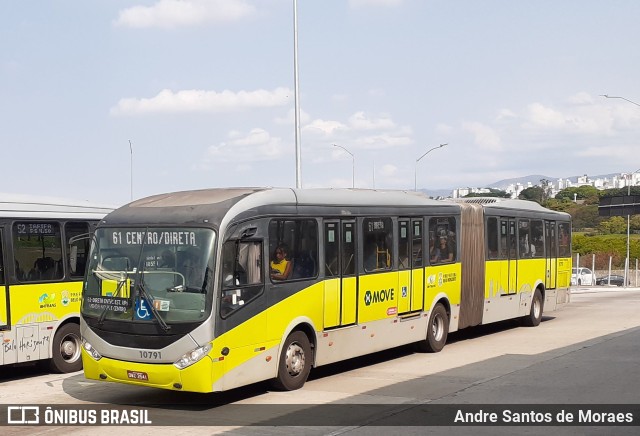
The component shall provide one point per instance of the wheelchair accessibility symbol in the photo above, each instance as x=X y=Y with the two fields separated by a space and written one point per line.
x=142 y=309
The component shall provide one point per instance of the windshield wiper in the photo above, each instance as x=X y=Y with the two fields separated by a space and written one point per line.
x=145 y=294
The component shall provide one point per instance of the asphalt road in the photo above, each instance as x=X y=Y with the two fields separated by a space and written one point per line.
x=581 y=360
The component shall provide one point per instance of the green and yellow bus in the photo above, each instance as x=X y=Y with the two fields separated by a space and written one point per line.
x=188 y=291
x=44 y=246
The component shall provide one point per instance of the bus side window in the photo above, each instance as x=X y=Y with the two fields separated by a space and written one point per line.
x=403 y=245
x=1 y=260
x=299 y=239
x=38 y=245
x=537 y=238
x=492 y=238
x=564 y=240
x=442 y=240
x=378 y=244
x=331 y=267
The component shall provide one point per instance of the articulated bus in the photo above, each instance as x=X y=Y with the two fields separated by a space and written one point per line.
x=180 y=291
x=44 y=248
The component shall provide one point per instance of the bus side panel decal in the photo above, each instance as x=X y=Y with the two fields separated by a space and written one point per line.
x=378 y=296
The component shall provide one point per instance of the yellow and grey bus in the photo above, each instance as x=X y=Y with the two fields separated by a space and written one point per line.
x=188 y=291
x=44 y=247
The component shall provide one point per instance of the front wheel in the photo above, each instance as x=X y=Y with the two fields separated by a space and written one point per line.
x=66 y=349
x=437 y=331
x=535 y=314
x=295 y=362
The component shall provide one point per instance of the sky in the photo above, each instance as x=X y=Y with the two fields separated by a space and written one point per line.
x=109 y=100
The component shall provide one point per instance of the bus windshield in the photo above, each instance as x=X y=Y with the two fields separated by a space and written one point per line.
x=158 y=275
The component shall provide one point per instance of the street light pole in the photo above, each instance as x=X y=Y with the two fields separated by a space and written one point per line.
x=626 y=262
x=415 y=170
x=353 y=165
x=296 y=94
x=131 y=168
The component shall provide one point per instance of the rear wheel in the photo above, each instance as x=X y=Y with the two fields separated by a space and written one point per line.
x=535 y=314
x=66 y=349
x=437 y=331
x=295 y=362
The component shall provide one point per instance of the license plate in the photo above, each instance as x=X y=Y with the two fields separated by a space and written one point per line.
x=137 y=375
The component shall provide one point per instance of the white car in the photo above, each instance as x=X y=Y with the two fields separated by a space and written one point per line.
x=582 y=277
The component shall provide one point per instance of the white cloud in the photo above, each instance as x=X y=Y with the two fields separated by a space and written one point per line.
x=582 y=119
x=359 y=121
x=505 y=114
x=581 y=98
x=486 y=137
x=195 y=100
x=359 y=4
x=255 y=146
x=377 y=142
x=169 y=14
x=544 y=116
x=326 y=127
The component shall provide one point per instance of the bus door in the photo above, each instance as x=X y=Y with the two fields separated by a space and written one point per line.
x=550 y=254
x=410 y=271
x=508 y=245
x=4 y=292
x=340 y=288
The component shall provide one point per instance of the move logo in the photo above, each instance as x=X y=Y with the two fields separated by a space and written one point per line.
x=378 y=296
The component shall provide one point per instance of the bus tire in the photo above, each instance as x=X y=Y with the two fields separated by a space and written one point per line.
x=66 y=356
x=437 y=331
x=535 y=314
x=295 y=362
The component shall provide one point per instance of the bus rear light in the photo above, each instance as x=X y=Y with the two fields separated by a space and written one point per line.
x=92 y=351
x=192 y=357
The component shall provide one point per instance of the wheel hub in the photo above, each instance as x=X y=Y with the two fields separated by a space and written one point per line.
x=295 y=359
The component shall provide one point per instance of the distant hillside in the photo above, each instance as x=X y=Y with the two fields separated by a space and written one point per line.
x=534 y=179
x=503 y=184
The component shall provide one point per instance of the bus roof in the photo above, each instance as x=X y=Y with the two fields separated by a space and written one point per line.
x=215 y=203
x=24 y=206
x=495 y=204
x=208 y=206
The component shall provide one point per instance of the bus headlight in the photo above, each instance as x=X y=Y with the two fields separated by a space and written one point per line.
x=192 y=357
x=92 y=351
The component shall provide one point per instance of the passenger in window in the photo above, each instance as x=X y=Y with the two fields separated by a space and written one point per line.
x=280 y=266
x=442 y=252
x=19 y=272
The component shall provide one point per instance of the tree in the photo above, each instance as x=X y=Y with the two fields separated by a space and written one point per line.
x=547 y=187
x=585 y=216
x=613 y=225
x=588 y=193
x=534 y=193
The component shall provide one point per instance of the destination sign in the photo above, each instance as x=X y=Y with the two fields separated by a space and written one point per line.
x=46 y=229
x=113 y=304
x=154 y=237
